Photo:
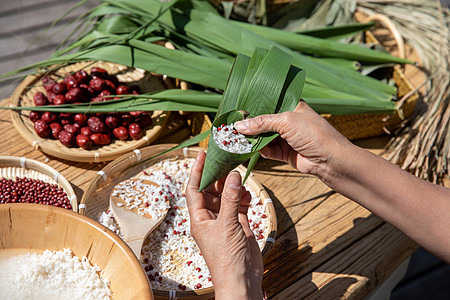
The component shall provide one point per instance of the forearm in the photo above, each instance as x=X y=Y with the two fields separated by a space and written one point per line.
x=414 y=206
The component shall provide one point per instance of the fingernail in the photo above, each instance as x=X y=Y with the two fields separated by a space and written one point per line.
x=241 y=125
x=234 y=180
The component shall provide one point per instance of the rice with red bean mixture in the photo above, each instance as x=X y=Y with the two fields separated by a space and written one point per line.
x=51 y=275
x=171 y=258
x=228 y=139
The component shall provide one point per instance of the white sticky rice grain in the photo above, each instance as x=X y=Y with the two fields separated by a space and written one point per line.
x=228 y=139
x=52 y=275
x=171 y=258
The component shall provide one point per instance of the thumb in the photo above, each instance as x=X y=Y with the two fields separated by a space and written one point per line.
x=260 y=124
x=231 y=197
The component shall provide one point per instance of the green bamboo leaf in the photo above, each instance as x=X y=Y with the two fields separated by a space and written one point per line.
x=265 y=87
x=251 y=165
x=117 y=25
x=321 y=47
x=275 y=86
x=234 y=84
x=337 y=32
x=219 y=162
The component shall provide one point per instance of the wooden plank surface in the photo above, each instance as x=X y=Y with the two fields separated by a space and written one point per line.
x=327 y=246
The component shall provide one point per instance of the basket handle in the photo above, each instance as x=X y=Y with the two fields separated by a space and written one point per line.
x=386 y=22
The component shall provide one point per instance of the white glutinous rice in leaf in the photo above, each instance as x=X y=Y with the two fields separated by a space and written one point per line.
x=228 y=139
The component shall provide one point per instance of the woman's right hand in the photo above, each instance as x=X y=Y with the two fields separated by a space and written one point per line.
x=307 y=141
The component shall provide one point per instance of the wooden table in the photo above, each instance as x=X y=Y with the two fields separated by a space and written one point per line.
x=327 y=246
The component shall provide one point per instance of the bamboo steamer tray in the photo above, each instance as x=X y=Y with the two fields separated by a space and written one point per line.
x=22 y=167
x=41 y=227
x=23 y=96
x=359 y=126
x=96 y=198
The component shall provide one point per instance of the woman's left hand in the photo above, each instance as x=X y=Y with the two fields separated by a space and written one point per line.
x=220 y=226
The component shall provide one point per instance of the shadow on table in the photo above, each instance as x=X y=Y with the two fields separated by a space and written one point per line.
x=293 y=268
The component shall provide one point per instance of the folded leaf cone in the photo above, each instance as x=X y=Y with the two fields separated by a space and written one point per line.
x=266 y=83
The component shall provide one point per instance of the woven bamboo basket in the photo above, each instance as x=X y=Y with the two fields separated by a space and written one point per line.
x=36 y=228
x=96 y=198
x=23 y=96
x=13 y=166
x=358 y=126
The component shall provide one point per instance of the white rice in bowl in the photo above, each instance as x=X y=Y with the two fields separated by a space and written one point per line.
x=51 y=275
x=171 y=258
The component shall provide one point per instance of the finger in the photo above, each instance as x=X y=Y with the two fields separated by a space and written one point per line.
x=278 y=149
x=246 y=198
x=231 y=197
x=259 y=124
x=194 y=199
x=243 y=219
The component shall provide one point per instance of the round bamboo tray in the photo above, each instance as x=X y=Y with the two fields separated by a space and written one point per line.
x=23 y=96
x=13 y=166
x=40 y=227
x=96 y=198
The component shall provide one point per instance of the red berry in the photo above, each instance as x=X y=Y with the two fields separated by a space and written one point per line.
x=71 y=81
x=111 y=87
x=40 y=99
x=56 y=128
x=65 y=118
x=96 y=124
x=136 y=113
x=66 y=138
x=72 y=128
x=42 y=128
x=99 y=72
x=135 y=131
x=80 y=119
x=100 y=139
x=97 y=84
x=34 y=116
x=127 y=119
x=103 y=95
x=84 y=141
x=48 y=117
x=49 y=83
x=83 y=77
x=76 y=95
x=86 y=131
x=59 y=89
x=121 y=133
x=144 y=120
x=59 y=99
x=122 y=90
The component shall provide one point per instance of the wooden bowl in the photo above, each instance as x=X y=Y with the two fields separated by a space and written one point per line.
x=22 y=167
x=23 y=96
x=96 y=198
x=40 y=227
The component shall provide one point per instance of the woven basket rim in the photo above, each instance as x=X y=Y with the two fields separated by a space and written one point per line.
x=54 y=176
x=140 y=155
x=54 y=147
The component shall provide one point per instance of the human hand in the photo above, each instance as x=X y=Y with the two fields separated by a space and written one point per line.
x=220 y=226
x=307 y=141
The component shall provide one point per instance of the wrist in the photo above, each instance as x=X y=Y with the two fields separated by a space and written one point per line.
x=337 y=165
x=237 y=287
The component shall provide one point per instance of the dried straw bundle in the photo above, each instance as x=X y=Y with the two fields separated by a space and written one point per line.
x=423 y=145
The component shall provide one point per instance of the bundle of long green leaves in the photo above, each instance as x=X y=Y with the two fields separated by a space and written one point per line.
x=131 y=32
